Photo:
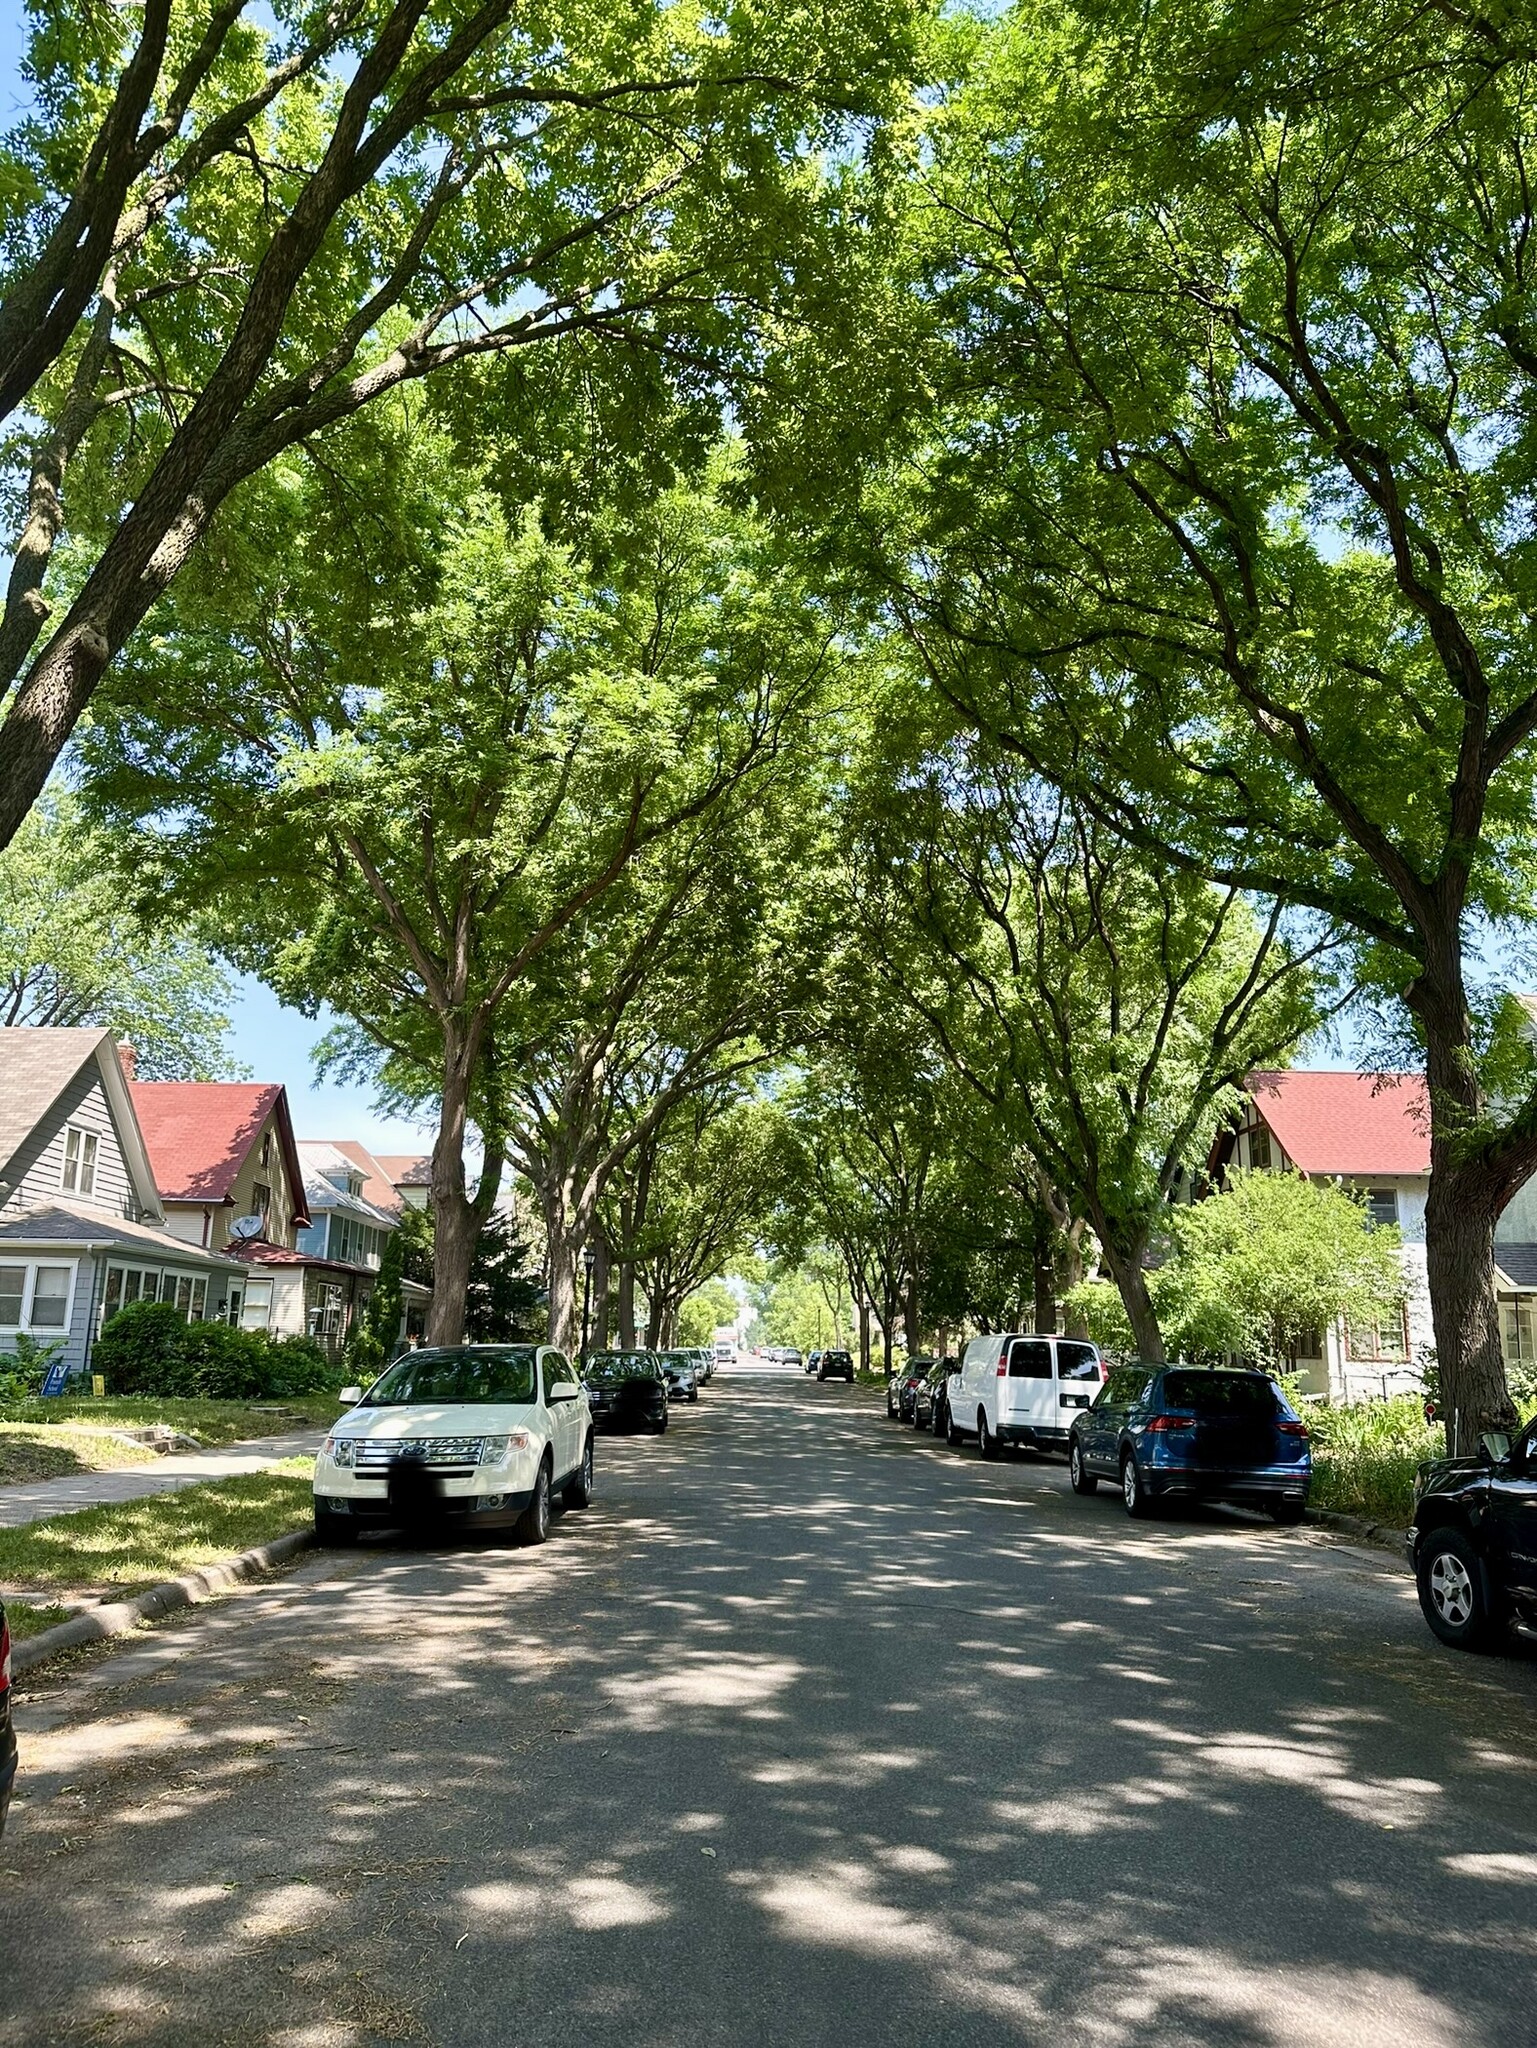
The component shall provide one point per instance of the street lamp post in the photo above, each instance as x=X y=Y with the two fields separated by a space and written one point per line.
x=589 y=1260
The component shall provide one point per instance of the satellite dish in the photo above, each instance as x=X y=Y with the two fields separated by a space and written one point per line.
x=244 y=1228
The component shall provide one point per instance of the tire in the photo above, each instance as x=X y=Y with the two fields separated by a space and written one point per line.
x=1451 y=1587
x=1287 y=1512
x=938 y=1419
x=1133 y=1493
x=659 y=1427
x=534 y=1522
x=987 y=1443
x=335 y=1532
x=917 y=1422
x=695 y=1395
x=577 y=1492
x=952 y=1434
x=1081 y=1478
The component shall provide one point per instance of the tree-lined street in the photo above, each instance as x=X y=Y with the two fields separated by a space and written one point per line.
x=807 y=1731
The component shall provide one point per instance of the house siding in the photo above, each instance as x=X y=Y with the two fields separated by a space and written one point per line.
x=38 y=1166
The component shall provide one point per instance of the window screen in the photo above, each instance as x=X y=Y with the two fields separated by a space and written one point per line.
x=13 y=1287
x=50 y=1298
x=1382 y=1205
x=1029 y=1359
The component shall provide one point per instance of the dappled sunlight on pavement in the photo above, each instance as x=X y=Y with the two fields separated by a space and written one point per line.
x=807 y=1732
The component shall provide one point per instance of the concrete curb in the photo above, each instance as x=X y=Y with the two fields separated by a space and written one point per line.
x=1381 y=1535
x=121 y=1616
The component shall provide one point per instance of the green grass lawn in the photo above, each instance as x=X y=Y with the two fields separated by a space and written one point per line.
x=133 y=1544
x=27 y=1620
x=53 y=1439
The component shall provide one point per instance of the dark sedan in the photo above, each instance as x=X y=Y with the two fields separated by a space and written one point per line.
x=7 y=1732
x=626 y=1390
x=682 y=1375
x=929 y=1391
x=1473 y=1543
x=909 y=1380
x=1204 y=1435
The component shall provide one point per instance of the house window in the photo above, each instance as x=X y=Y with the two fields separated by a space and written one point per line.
x=256 y=1313
x=186 y=1293
x=79 y=1175
x=266 y=1148
x=1382 y=1205
x=261 y=1195
x=35 y=1296
x=1259 y=1148
x=1378 y=1338
x=1516 y=1332
x=1308 y=1344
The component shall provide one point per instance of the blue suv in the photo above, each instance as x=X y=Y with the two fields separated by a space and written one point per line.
x=1204 y=1435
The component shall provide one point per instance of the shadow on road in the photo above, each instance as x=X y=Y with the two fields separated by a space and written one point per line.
x=807 y=1732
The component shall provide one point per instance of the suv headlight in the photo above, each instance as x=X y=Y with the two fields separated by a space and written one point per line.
x=339 y=1449
x=496 y=1450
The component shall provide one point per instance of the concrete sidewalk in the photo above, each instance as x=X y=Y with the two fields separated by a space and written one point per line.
x=38 y=1499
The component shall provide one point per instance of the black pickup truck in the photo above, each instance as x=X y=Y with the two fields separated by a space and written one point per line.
x=1473 y=1542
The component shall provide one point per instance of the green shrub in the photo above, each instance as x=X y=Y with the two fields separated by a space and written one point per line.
x=1365 y=1454
x=23 y=1370
x=150 y=1348
x=143 y=1350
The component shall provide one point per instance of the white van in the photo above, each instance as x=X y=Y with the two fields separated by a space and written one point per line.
x=1014 y=1389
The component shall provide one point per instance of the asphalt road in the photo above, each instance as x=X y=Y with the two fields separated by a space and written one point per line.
x=809 y=1731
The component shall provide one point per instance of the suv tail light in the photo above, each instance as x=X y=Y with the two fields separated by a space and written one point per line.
x=1288 y=1425
x=1162 y=1423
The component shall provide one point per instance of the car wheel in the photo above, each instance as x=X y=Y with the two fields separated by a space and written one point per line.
x=534 y=1522
x=1083 y=1480
x=937 y=1420
x=659 y=1427
x=987 y=1443
x=952 y=1434
x=335 y=1532
x=695 y=1395
x=1452 y=1593
x=578 y=1490
x=1133 y=1492
x=1287 y=1512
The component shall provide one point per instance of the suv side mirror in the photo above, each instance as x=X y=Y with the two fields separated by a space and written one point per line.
x=350 y=1396
x=560 y=1390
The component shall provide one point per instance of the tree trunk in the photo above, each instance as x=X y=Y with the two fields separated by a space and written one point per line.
x=1073 y=1324
x=602 y=1271
x=1131 y=1278
x=627 y=1304
x=1045 y=1277
x=864 y=1331
x=565 y=1310
x=1466 y=1196
x=455 y=1222
x=912 y=1327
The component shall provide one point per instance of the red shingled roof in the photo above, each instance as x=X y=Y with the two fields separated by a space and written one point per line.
x=199 y=1133
x=1347 y=1123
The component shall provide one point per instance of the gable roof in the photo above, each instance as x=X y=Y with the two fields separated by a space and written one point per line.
x=1347 y=1123
x=407 y=1169
x=322 y=1156
x=37 y=1063
x=379 y=1182
x=200 y=1134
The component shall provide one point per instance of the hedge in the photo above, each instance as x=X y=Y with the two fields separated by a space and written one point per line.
x=149 y=1347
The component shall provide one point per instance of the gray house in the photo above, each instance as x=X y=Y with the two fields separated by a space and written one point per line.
x=82 y=1228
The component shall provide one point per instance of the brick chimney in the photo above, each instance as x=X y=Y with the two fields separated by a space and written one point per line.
x=129 y=1060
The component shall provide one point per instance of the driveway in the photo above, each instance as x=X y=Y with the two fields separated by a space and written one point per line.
x=808 y=1732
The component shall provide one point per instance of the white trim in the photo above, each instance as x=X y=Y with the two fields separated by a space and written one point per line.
x=28 y=1292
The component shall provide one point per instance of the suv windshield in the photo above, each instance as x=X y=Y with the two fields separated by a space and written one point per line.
x=466 y=1373
x=1220 y=1393
x=622 y=1365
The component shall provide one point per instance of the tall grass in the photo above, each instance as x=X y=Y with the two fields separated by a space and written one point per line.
x=1365 y=1454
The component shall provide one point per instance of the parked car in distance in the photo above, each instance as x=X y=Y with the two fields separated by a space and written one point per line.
x=480 y=1434
x=704 y=1363
x=7 y=1731
x=1473 y=1541
x=1202 y=1434
x=682 y=1378
x=928 y=1390
x=893 y=1396
x=627 y=1389
x=939 y=1400
x=1023 y=1390
x=908 y=1377
x=835 y=1365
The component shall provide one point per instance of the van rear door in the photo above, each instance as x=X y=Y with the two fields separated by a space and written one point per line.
x=1030 y=1390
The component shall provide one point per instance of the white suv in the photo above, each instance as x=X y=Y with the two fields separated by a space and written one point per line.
x=479 y=1433
x=1011 y=1389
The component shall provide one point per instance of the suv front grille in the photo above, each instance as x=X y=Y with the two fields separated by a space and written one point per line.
x=451 y=1457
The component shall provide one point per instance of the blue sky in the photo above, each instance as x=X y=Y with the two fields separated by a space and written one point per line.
x=277 y=1044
